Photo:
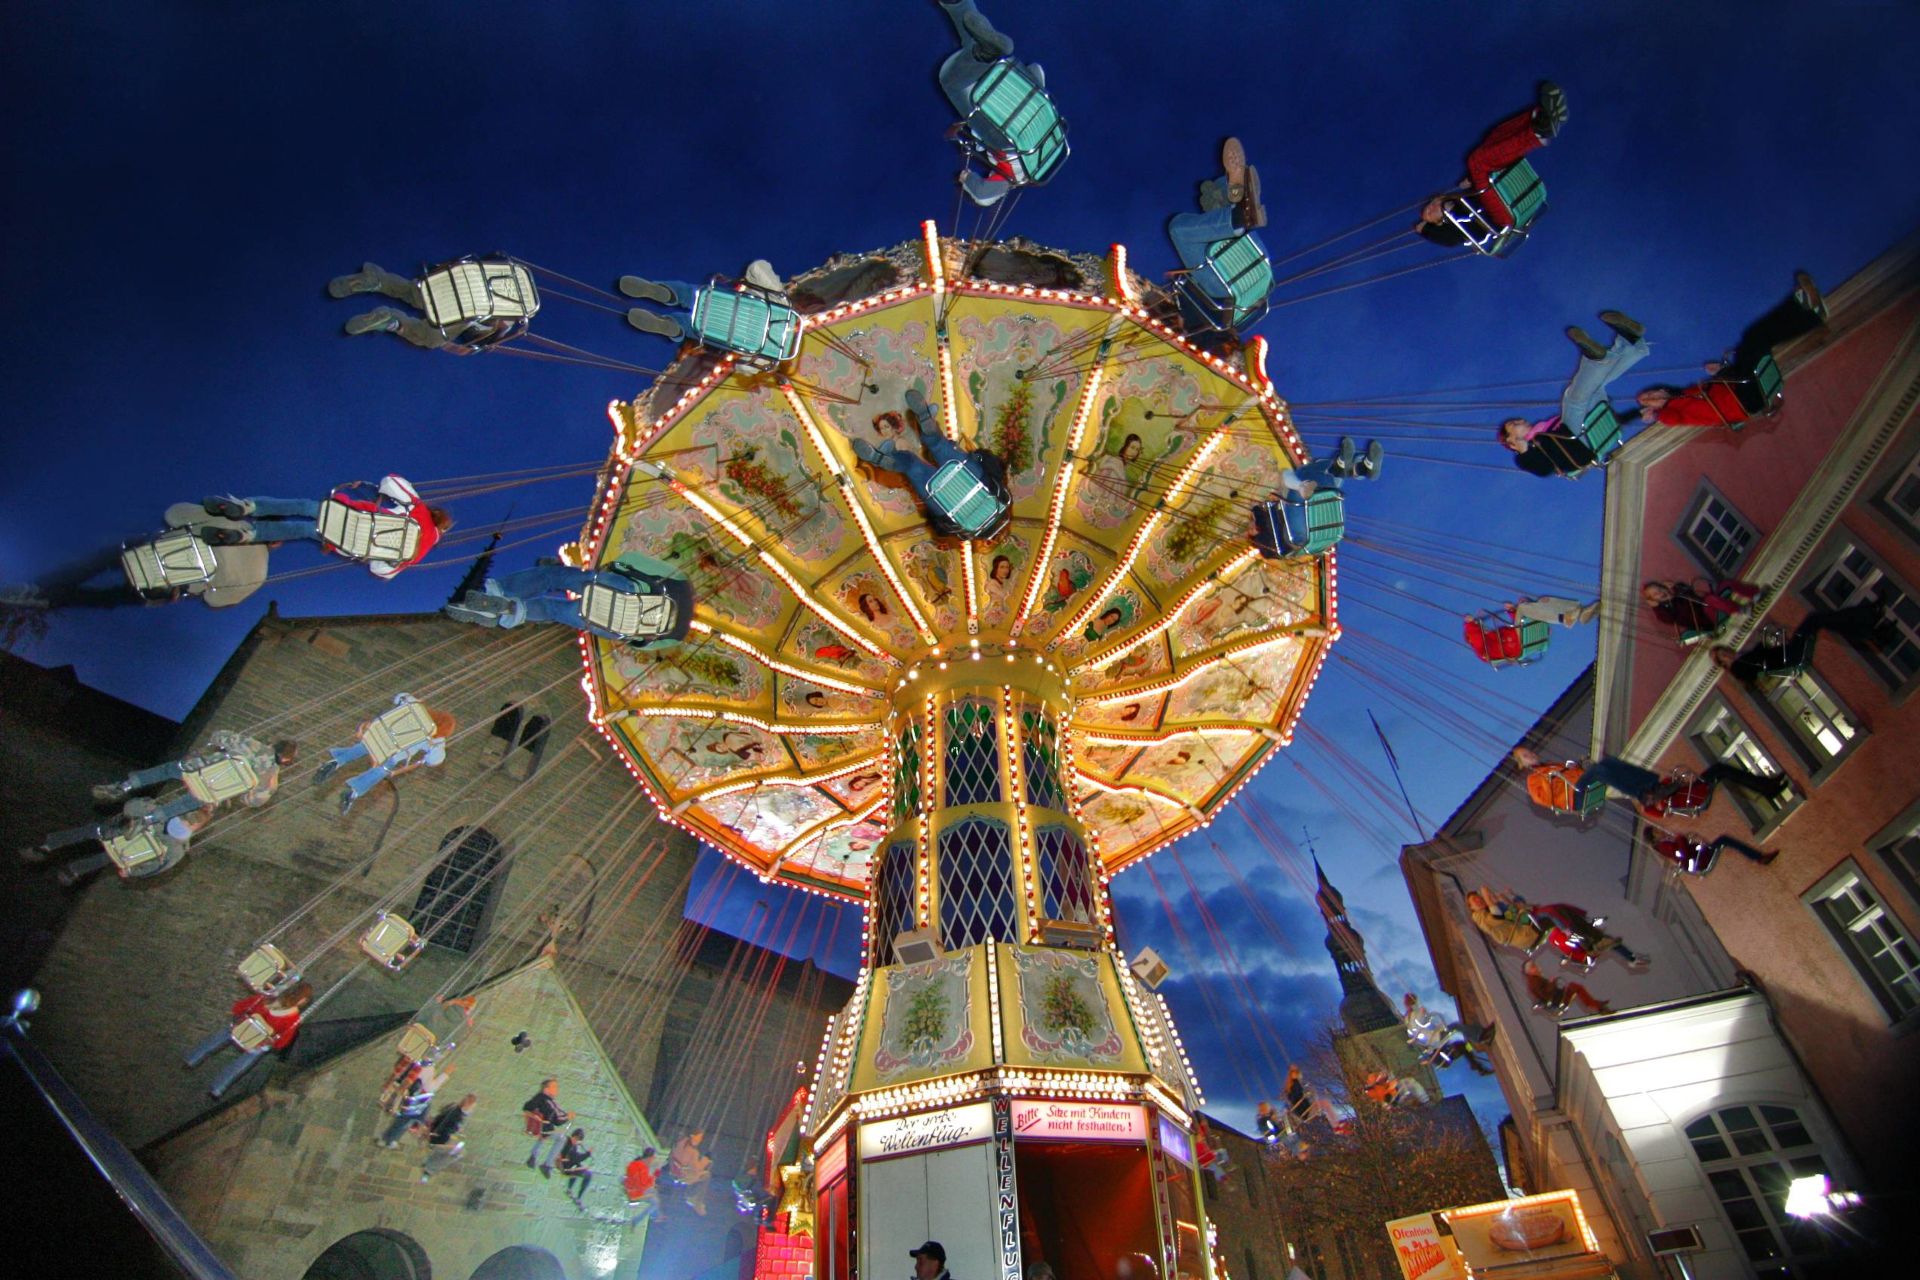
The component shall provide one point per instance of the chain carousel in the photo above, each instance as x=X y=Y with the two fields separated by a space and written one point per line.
x=970 y=736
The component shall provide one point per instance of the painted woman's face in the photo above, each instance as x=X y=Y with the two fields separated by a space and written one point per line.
x=1130 y=449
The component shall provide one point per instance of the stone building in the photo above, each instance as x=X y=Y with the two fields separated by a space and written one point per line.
x=545 y=885
x=1373 y=1036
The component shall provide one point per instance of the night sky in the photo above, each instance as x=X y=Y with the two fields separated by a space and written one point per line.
x=182 y=179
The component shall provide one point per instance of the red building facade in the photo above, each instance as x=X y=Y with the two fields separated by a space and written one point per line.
x=1820 y=506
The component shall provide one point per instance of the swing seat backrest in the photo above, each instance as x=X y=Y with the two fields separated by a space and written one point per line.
x=473 y=291
x=136 y=850
x=959 y=494
x=416 y=1043
x=627 y=614
x=251 y=1034
x=1522 y=191
x=1600 y=432
x=176 y=559
x=384 y=537
x=396 y=730
x=1314 y=526
x=391 y=942
x=1556 y=786
x=1235 y=279
x=1464 y=210
x=753 y=326
x=1014 y=116
x=265 y=969
x=220 y=779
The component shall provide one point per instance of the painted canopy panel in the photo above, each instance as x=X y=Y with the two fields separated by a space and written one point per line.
x=1133 y=459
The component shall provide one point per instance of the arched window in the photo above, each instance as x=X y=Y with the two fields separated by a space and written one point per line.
x=371 y=1255
x=973 y=754
x=520 y=1262
x=515 y=728
x=1066 y=877
x=1751 y=1154
x=455 y=901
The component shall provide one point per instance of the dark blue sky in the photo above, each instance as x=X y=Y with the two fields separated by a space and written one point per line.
x=181 y=179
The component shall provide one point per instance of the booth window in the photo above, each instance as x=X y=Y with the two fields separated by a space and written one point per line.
x=1750 y=1155
x=1871 y=937
x=452 y=907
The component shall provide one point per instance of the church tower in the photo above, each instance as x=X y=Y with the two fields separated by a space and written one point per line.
x=1374 y=1038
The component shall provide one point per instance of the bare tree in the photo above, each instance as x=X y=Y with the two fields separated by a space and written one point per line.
x=1383 y=1162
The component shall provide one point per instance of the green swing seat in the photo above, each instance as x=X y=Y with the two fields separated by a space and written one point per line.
x=1230 y=287
x=1600 y=432
x=960 y=495
x=1287 y=529
x=1015 y=120
x=762 y=331
x=1525 y=196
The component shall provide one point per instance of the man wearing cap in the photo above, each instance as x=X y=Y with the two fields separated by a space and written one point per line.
x=930 y=1261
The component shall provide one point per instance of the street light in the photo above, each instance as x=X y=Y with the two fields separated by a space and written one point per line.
x=1813 y=1197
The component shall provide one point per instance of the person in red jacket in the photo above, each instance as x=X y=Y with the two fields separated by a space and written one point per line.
x=280 y=1013
x=298 y=519
x=1696 y=857
x=1504 y=145
x=1718 y=402
x=643 y=1198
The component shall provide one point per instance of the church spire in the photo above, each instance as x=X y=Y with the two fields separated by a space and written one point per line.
x=1362 y=1006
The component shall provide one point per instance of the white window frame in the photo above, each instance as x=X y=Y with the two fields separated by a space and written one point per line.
x=1779 y=1227
x=1743 y=748
x=1898 y=845
x=1908 y=475
x=1864 y=928
x=1778 y=691
x=1869 y=579
x=1742 y=535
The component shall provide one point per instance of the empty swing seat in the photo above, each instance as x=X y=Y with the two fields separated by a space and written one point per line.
x=1013 y=117
x=761 y=330
x=1525 y=196
x=958 y=493
x=266 y=969
x=1600 y=432
x=137 y=851
x=1229 y=288
x=385 y=537
x=466 y=298
x=1502 y=643
x=397 y=731
x=391 y=942
x=1284 y=528
x=171 y=562
x=220 y=779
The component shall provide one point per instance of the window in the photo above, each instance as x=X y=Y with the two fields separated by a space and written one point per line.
x=1750 y=1156
x=973 y=754
x=1901 y=498
x=906 y=774
x=1717 y=535
x=893 y=885
x=1066 y=888
x=1814 y=717
x=976 y=884
x=1855 y=576
x=453 y=901
x=1877 y=944
x=1040 y=756
x=1899 y=846
x=1719 y=735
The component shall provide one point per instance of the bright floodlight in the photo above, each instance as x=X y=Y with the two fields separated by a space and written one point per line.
x=1808 y=1197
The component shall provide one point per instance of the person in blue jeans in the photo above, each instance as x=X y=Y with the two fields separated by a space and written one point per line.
x=553 y=592
x=1549 y=447
x=1229 y=208
x=1297 y=484
x=981 y=46
x=681 y=296
x=428 y=753
x=1649 y=788
x=983 y=465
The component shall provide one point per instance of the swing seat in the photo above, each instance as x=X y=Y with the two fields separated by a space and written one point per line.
x=1738 y=399
x=391 y=942
x=136 y=851
x=396 y=731
x=467 y=300
x=1557 y=788
x=382 y=537
x=252 y=1034
x=1690 y=801
x=1228 y=289
x=1286 y=528
x=1502 y=643
x=1525 y=196
x=1701 y=635
x=631 y=615
x=416 y=1043
x=1013 y=119
x=220 y=779
x=172 y=562
x=1600 y=432
x=958 y=493
x=266 y=969
x=759 y=328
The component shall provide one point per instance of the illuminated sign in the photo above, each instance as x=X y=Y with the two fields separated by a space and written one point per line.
x=1174 y=1141
x=1529 y=1229
x=1079 y=1122
x=927 y=1131
x=1422 y=1252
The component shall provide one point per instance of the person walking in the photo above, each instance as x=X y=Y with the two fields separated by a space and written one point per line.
x=444 y=1145
x=544 y=1118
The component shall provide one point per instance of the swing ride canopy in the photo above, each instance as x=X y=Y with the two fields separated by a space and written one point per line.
x=1133 y=458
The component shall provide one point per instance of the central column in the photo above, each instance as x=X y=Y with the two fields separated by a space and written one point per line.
x=986 y=844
